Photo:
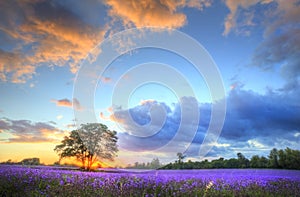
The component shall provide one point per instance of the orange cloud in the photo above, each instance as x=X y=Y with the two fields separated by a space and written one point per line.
x=31 y=139
x=67 y=103
x=106 y=79
x=63 y=102
x=102 y=116
x=144 y=102
x=25 y=131
x=116 y=119
x=158 y=13
x=110 y=109
x=14 y=63
x=42 y=32
x=111 y=117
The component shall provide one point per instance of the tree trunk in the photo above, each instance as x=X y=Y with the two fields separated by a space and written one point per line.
x=83 y=163
x=90 y=162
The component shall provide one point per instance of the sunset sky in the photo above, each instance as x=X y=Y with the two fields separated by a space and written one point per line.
x=255 y=45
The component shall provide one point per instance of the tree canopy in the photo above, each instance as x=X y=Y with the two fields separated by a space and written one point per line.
x=283 y=159
x=154 y=164
x=90 y=142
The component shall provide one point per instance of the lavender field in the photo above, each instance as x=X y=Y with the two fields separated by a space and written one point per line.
x=47 y=181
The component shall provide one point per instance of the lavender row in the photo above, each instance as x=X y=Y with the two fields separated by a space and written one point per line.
x=24 y=181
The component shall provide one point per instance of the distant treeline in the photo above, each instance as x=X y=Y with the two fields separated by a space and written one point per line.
x=278 y=159
x=27 y=161
x=154 y=164
x=35 y=161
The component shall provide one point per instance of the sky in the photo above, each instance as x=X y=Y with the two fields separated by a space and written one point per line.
x=204 y=77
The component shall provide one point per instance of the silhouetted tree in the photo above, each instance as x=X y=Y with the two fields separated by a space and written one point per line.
x=31 y=161
x=180 y=157
x=91 y=141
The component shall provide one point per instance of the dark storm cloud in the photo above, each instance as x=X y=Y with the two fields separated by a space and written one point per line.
x=281 y=50
x=141 y=115
x=253 y=121
x=251 y=115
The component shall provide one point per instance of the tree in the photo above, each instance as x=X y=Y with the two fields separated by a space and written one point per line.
x=232 y=163
x=180 y=157
x=263 y=162
x=243 y=161
x=136 y=164
x=255 y=162
x=289 y=159
x=217 y=163
x=72 y=146
x=273 y=158
x=155 y=163
x=282 y=159
x=30 y=161
x=91 y=142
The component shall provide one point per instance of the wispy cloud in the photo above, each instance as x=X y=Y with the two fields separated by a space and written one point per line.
x=67 y=103
x=281 y=47
x=280 y=24
x=59 y=117
x=106 y=79
x=71 y=126
x=147 y=101
x=26 y=131
x=240 y=9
